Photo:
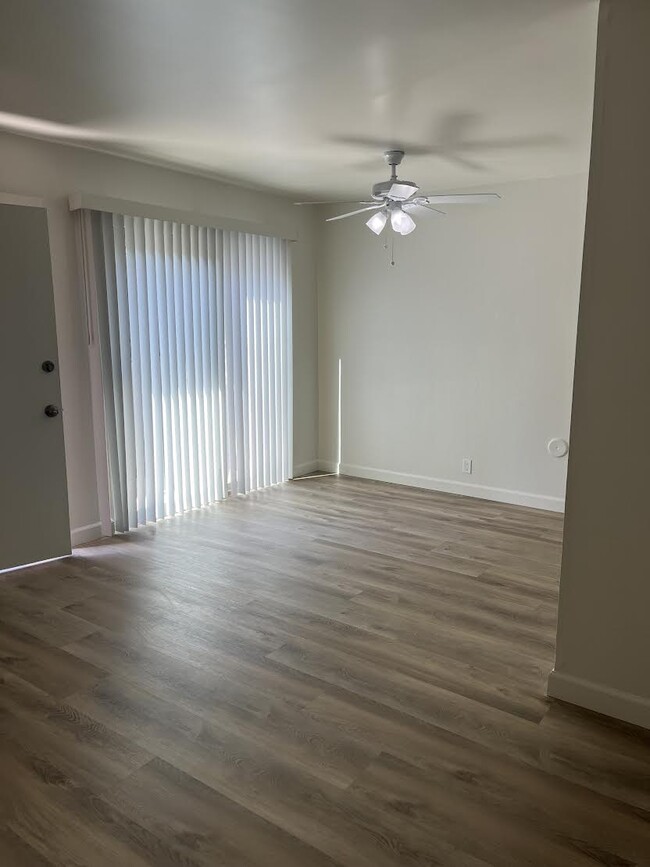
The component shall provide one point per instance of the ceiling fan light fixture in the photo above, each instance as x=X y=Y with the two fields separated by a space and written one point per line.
x=377 y=222
x=401 y=221
x=399 y=199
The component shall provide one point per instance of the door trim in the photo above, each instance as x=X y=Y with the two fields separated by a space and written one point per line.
x=105 y=526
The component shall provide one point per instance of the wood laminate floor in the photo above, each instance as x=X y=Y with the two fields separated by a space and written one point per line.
x=330 y=672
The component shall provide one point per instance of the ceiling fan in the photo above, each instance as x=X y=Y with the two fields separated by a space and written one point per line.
x=398 y=200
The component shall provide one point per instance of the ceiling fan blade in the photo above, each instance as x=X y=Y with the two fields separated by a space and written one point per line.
x=423 y=210
x=352 y=213
x=356 y=202
x=461 y=199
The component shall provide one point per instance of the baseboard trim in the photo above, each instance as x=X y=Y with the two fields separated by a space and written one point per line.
x=603 y=699
x=87 y=533
x=305 y=468
x=449 y=486
x=316 y=466
x=329 y=466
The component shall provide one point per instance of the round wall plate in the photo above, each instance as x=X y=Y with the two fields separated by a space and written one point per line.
x=557 y=447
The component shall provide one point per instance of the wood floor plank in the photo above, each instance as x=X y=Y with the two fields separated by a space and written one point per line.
x=491 y=653
x=40 y=619
x=16 y=852
x=438 y=668
x=49 y=668
x=415 y=697
x=198 y=675
x=408 y=796
x=539 y=800
x=206 y=826
x=78 y=744
x=264 y=783
x=54 y=584
x=332 y=672
x=68 y=824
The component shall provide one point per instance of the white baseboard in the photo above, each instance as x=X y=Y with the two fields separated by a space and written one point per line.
x=603 y=699
x=305 y=468
x=316 y=466
x=448 y=486
x=88 y=533
x=328 y=466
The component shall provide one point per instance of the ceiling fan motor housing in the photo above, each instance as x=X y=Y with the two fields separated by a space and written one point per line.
x=383 y=190
x=392 y=189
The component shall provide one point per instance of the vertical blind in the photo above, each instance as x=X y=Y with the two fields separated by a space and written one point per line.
x=195 y=334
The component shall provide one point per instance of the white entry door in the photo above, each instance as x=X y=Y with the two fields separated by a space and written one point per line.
x=34 y=523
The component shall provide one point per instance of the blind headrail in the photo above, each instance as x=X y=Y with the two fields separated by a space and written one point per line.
x=91 y=202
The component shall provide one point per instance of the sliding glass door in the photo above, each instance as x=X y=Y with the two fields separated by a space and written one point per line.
x=195 y=334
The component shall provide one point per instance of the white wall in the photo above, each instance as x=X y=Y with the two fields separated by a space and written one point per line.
x=34 y=168
x=603 y=641
x=463 y=349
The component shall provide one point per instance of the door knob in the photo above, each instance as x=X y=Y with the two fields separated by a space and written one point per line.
x=47 y=366
x=51 y=411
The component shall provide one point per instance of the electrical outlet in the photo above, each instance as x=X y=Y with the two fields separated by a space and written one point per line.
x=466 y=466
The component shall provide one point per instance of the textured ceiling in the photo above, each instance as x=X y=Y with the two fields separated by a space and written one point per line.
x=304 y=95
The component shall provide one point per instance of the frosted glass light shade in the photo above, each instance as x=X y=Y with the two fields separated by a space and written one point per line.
x=377 y=222
x=401 y=221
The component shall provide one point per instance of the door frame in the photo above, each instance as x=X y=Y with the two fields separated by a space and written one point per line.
x=88 y=283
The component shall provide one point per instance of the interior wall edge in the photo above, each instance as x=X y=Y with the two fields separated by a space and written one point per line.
x=599 y=697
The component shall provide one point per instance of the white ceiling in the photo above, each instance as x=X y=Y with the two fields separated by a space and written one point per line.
x=304 y=95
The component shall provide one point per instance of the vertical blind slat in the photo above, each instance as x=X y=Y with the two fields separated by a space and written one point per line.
x=256 y=354
x=181 y=383
x=239 y=484
x=102 y=225
x=133 y=320
x=277 y=433
x=203 y=321
x=241 y=303
x=287 y=346
x=221 y=363
x=262 y=364
x=214 y=366
x=229 y=390
x=166 y=445
x=239 y=279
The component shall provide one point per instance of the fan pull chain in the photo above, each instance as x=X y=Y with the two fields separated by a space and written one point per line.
x=392 y=250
